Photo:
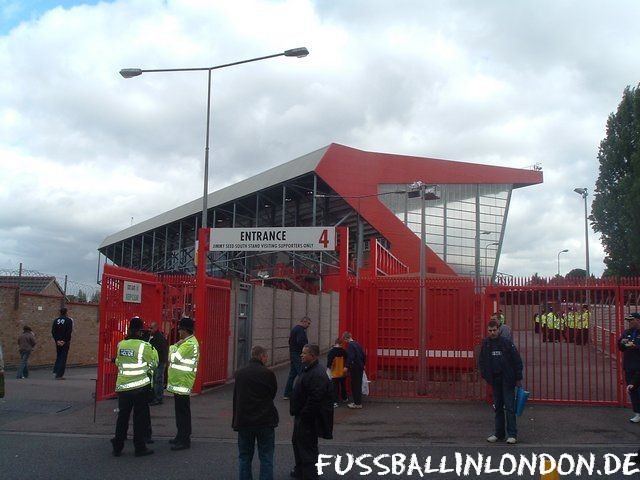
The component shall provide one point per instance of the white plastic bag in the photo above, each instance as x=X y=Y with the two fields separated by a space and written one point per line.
x=365 y=384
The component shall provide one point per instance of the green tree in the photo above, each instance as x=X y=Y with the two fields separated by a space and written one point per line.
x=95 y=298
x=577 y=273
x=615 y=212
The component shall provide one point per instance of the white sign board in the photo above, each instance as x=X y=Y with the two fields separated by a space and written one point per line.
x=272 y=239
x=132 y=292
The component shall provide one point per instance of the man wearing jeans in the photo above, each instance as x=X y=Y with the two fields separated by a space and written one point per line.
x=297 y=340
x=501 y=366
x=354 y=367
x=629 y=345
x=254 y=414
x=26 y=343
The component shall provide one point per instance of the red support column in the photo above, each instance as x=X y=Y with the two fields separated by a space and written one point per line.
x=343 y=246
x=201 y=301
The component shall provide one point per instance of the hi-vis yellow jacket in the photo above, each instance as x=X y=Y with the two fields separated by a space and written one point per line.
x=183 y=365
x=136 y=360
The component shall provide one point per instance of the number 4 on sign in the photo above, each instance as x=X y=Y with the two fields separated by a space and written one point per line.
x=324 y=238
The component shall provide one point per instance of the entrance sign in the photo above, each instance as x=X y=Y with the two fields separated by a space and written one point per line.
x=268 y=239
x=132 y=292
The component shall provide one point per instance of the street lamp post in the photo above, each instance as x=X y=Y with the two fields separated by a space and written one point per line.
x=583 y=192
x=422 y=331
x=201 y=253
x=134 y=72
x=561 y=251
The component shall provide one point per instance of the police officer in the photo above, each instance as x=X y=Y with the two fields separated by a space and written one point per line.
x=553 y=325
x=183 y=365
x=584 y=330
x=571 y=326
x=136 y=360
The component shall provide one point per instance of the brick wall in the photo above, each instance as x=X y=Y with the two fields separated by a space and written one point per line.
x=38 y=311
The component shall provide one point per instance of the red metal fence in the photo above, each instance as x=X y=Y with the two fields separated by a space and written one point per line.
x=383 y=315
x=573 y=360
x=164 y=299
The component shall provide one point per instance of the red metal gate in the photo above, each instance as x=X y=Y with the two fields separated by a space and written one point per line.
x=164 y=299
x=576 y=360
x=383 y=315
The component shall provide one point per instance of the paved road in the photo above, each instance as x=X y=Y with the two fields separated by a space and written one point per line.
x=47 y=430
x=64 y=456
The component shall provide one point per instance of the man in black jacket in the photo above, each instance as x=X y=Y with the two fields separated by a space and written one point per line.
x=629 y=344
x=356 y=360
x=297 y=340
x=61 y=333
x=159 y=342
x=312 y=408
x=501 y=366
x=254 y=414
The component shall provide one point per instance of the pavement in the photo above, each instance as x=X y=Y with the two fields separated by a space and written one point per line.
x=44 y=423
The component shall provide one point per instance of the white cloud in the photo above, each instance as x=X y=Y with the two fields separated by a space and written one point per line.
x=83 y=150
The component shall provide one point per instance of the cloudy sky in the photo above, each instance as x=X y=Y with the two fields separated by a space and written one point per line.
x=84 y=152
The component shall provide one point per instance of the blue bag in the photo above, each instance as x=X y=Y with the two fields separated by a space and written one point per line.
x=521 y=400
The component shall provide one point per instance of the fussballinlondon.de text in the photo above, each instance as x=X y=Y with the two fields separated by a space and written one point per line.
x=464 y=465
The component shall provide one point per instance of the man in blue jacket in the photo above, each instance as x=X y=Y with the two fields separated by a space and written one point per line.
x=501 y=366
x=629 y=345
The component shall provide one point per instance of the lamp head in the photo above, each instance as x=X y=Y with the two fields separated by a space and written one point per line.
x=564 y=251
x=296 y=52
x=130 y=72
x=581 y=191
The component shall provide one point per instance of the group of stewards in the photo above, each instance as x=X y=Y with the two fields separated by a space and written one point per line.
x=137 y=361
x=571 y=325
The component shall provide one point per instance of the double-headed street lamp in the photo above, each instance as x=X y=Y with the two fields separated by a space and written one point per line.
x=561 y=251
x=134 y=72
x=583 y=192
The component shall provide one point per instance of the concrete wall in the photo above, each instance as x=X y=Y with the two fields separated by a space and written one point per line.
x=39 y=311
x=275 y=312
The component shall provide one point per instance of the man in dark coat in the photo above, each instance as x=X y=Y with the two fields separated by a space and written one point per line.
x=254 y=415
x=297 y=340
x=61 y=333
x=312 y=408
x=159 y=342
x=501 y=366
x=356 y=360
x=629 y=344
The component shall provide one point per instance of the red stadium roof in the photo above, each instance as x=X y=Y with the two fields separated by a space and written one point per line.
x=355 y=175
